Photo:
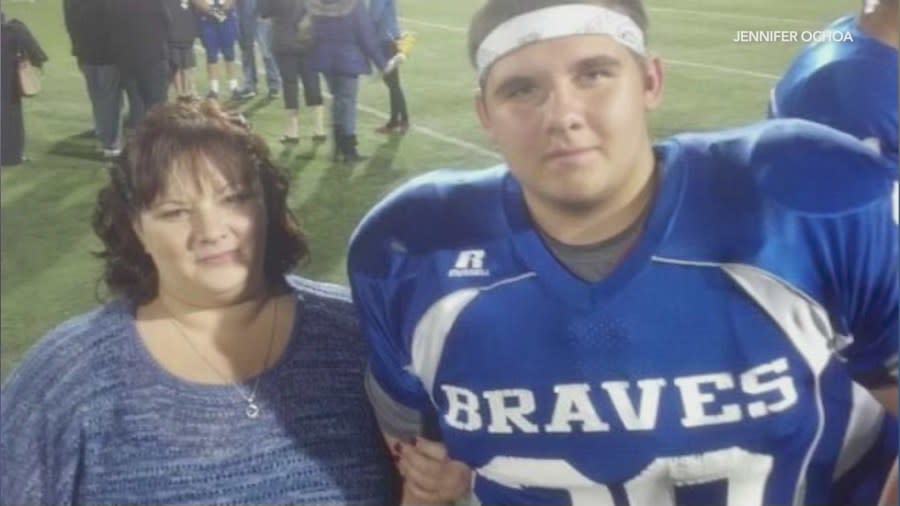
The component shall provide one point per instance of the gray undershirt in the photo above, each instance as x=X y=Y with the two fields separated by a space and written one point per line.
x=394 y=418
x=592 y=262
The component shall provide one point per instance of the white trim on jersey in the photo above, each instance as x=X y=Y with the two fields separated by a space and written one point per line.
x=862 y=431
x=803 y=320
x=805 y=323
x=431 y=332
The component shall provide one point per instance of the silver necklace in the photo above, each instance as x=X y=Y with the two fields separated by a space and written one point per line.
x=252 y=410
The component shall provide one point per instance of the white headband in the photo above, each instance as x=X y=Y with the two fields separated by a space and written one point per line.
x=553 y=22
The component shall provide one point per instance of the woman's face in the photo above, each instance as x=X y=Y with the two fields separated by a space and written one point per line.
x=206 y=237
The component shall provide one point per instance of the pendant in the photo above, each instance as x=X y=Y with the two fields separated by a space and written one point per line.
x=252 y=410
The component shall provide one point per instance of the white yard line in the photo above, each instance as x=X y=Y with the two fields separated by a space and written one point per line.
x=433 y=25
x=717 y=14
x=718 y=68
x=434 y=134
x=727 y=70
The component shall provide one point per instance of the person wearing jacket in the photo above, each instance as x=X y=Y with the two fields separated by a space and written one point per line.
x=17 y=43
x=139 y=31
x=291 y=56
x=344 y=44
x=86 y=23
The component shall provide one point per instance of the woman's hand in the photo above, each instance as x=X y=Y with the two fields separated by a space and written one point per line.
x=429 y=475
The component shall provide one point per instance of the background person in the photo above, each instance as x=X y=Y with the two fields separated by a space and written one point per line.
x=852 y=86
x=384 y=17
x=138 y=35
x=344 y=42
x=218 y=32
x=18 y=43
x=88 y=31
x=253 y=29
x=292 y=57
x=182 y=34
x=848 y=85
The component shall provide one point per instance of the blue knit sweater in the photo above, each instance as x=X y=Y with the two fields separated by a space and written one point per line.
x=89 y=417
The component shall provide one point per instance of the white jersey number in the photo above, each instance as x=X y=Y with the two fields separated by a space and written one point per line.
x=745 y=472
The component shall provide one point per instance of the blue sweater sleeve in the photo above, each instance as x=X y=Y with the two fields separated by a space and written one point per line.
x=40 y=443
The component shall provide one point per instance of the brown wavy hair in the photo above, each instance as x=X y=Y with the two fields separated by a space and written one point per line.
x=183 y=134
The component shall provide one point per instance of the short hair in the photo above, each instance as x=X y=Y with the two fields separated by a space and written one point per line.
x=184 y=134
x=495 y=12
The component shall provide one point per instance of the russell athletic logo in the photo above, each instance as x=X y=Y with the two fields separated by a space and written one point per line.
x=470 y=262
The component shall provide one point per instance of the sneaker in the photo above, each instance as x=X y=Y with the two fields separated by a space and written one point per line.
x=212 y=95
x=111 y=153
x=393 y=128
x=386 y=129
x=243 y=94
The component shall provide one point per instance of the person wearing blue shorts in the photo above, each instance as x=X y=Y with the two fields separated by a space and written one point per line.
x=218 y=32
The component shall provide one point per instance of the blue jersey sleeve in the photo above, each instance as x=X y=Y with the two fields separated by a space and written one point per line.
x=390 y=355
x=867 y=280
x=843 y=197
x=857 y=96
x=828 y=207
x=382 y=294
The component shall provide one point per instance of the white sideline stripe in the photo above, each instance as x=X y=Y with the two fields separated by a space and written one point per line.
x=436 y=135
x=433 y=25
x=717 y=14
x=719 y=68
x=727 y=70
x=712 y=14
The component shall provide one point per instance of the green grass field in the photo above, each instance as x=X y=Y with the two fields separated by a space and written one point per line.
x=47 y=273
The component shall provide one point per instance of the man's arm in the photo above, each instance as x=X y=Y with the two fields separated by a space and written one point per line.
x=429 y=475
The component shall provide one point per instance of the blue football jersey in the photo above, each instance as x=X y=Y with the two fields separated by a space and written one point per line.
x=848 y=85
x=718 y=363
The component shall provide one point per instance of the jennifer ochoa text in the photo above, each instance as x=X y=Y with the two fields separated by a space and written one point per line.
x=745 y=36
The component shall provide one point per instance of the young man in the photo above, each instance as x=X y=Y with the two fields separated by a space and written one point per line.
x=848 y=84
x=604 y=321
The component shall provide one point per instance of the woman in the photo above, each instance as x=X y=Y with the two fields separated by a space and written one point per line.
x=291 y=57
x=18 y=44
x=213 y=377
x=384 y=17
x=344 y=42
